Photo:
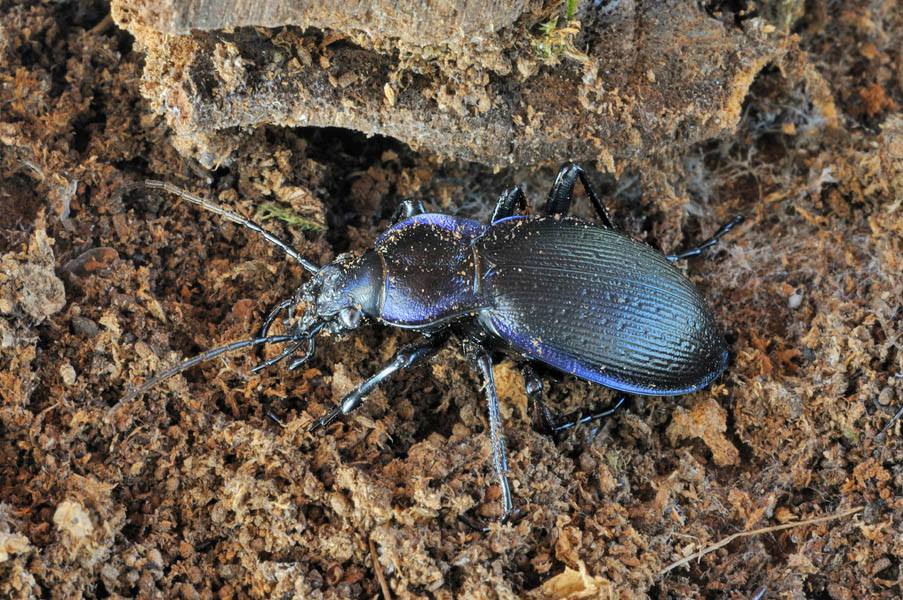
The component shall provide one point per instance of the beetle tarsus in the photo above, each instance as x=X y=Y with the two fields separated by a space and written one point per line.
x=570 y=422
x=275 y=419
x=326 y=420
x=300 y=361
x=477 y=524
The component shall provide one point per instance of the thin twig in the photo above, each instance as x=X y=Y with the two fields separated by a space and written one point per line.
x=387 y=595
x=731 y=538
x=101 y=27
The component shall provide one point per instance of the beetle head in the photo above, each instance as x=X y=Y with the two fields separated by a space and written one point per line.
x=342 y=293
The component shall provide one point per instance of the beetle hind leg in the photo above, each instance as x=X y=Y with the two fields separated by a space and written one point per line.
x=481 y=362
x=579 y=418
x=709 y=242
x=543 y=419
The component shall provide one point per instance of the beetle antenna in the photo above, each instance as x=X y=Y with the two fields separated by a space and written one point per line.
x=273 y=339
x=231 y=216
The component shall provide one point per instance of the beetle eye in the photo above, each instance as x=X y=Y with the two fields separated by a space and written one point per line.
x=350 y=317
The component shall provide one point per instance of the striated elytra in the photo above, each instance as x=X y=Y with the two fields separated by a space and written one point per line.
x=578 y=296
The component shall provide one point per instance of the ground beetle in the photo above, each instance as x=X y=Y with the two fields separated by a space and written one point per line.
x=582 y=298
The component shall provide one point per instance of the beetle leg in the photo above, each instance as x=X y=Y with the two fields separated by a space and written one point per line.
x=563 y=189
x=271 y=318
x=569 y=422
x=210 y=354
x=709 y=242
x=407 y=209
x=543 y=419
x=559 y=202
x=543 y=422
x=507 y=201
x=408 y=356
x=481 y=362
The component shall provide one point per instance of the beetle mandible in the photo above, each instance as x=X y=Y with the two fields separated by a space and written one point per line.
x=575 y=295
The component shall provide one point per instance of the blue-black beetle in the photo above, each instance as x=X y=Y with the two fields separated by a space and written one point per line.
x=578 y=296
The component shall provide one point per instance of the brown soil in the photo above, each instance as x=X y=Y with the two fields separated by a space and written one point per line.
x=209 y=486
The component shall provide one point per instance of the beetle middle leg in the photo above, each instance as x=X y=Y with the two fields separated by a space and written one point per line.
x=408 y=356
x=481 y=361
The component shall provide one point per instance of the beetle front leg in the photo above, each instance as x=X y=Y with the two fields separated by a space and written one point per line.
x=408 y=356
x=481 y=362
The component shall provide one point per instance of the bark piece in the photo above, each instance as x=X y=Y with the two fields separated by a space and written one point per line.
x=652 y=75
x=423 y=22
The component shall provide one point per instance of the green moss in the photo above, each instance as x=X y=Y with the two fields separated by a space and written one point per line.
x=552 y=41
x=271 y=210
